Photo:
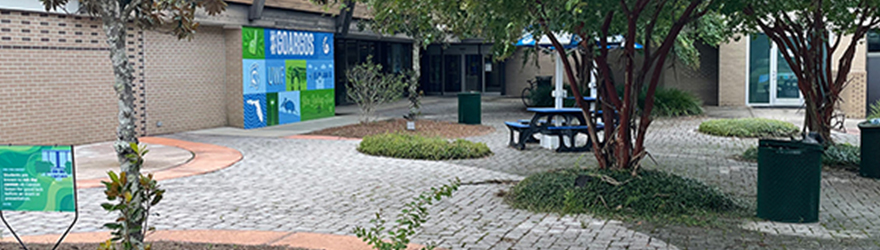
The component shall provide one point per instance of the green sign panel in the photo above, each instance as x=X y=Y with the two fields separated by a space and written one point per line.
x=37 y=178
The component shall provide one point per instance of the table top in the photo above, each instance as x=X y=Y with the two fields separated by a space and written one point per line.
x=586 y=98
x=555 y=110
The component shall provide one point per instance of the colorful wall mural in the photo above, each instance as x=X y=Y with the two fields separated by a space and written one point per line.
x=287 y=76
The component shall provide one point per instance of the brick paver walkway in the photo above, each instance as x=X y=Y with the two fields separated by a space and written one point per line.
x=325 y=186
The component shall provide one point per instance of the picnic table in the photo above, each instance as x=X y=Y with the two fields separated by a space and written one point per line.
x=566 y=123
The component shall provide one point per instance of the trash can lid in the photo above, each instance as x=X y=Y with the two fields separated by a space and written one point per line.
x=771 y=143
x=868 y=125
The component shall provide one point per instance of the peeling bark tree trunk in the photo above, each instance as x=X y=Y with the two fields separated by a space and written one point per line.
x=123 y=71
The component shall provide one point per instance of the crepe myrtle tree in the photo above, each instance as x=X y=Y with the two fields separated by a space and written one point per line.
x=665 y=27
x=178 y=15
x=810 y=33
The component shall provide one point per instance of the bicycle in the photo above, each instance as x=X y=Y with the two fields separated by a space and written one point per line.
x=527 y=93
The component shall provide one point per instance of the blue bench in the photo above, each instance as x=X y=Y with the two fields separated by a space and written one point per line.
x=519 y=127
x=570 y=133
x=526 y=130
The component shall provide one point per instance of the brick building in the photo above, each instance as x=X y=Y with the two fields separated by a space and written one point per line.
x=56 y=79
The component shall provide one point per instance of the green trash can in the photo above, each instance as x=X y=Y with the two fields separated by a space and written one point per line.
x=469 y=108
x=870 y=162
x=789 y=181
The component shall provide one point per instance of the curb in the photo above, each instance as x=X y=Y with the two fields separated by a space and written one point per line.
x=236 y=237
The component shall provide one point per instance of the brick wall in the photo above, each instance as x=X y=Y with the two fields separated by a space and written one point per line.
x=234 y=99
x=55 y=80
x=854 y=95
x=732 y=61
x=185 y=81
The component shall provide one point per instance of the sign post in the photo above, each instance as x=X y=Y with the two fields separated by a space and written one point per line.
x=38 y=178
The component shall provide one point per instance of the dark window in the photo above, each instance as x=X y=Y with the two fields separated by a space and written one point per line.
x=873 y=41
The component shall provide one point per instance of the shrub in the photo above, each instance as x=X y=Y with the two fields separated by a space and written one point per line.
x=370 y=88
x=748 y=127
x=541 y=96
x=411 y=218
x=418 y=147
x=875 y=110
x=673 y=102
x=837 y=155
x=652 y=194
x=670 y=102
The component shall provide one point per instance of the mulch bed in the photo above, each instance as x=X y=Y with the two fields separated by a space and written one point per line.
x=427 y=128
x=161 y=245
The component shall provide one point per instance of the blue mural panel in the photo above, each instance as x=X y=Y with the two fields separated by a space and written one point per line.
x=290 y=107
x=294 y=44
x=320 y=74
x=275 y=76
x=326 y=46
x=255 y=114
x=253 y=76
x=290 y=72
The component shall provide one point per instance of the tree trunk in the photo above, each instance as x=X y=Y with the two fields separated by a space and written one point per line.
x=125 y=133
x=416 y=57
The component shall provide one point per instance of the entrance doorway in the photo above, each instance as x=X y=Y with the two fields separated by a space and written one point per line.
x=771 y=82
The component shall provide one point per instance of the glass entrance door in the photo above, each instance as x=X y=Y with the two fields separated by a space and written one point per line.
x=771 y=80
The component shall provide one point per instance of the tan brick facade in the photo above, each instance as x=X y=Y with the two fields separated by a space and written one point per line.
x=56 y=80
x=185 y=81
x=733 y=59
x=234 y=99
x=854 y=95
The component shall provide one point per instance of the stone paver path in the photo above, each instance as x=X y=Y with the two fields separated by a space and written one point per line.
x=327 y=187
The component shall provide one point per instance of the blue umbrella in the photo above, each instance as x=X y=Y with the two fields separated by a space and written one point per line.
x=568 y=41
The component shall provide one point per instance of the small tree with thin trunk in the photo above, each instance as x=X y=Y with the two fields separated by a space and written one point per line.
x=809 y=34
x=145 y=14
x=369 y=87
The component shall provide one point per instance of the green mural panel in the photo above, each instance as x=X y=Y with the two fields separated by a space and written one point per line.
x=317 y=104
x=253 y=43
x=37 y=178
x=271 y=109
x=296 y=75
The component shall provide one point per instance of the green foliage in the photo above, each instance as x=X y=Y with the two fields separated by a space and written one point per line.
x=418 y=147
x=875 y=110
x=670 y=102
x=843 y=155
x=751 y=154
x=651 y=194
x=149 y=14
x=674 y=102
x=408 y=220
x=132 y=198
x=370 y=88
x=540 y=96
x=748 y=127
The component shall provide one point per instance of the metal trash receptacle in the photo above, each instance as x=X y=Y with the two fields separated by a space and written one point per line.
x=469 y=110
x=870 y=145
x=789 y=181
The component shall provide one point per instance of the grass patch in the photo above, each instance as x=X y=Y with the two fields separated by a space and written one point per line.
x=652 y=195
x=845 y=156
x=748 y=127
x=423 y=148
